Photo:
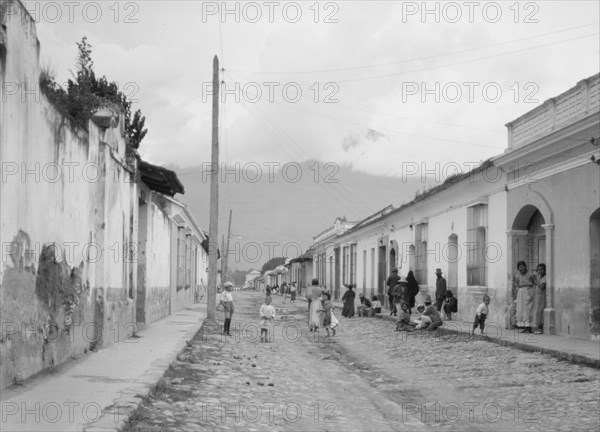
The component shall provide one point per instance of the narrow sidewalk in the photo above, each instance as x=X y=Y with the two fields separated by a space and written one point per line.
x=100 y=390
x=578 y=351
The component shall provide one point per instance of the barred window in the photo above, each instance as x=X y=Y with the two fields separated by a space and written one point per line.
x=476 y=240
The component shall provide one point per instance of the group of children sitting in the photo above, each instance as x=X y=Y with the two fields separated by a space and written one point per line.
x=368 y=308
x=430 y=318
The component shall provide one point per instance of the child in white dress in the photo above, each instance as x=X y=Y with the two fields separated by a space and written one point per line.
x=267 y=315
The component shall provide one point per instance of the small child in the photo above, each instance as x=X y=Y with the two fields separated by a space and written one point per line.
x=328 y=319
x=375 y=305
x=481 y=315
x=364 y=308
x=450 y=305
x=267 y=315
x=404 y=323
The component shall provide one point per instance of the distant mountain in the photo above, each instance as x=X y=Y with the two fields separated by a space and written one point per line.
x=280 y=213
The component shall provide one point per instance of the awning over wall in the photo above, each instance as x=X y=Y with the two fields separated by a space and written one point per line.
x=160 y=179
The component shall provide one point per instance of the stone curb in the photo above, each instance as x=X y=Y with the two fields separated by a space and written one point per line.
x=572 y=358
x=112 y=420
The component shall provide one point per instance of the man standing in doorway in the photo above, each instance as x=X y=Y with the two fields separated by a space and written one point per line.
x=391 y=282
x=440 y=289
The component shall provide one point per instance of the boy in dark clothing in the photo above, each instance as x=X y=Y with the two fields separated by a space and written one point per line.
x=481 y=314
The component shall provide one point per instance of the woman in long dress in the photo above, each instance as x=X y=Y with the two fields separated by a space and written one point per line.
x=525 y=282
x=539 y=301
x=412 y=291
x=348 y=299
x=314 y=318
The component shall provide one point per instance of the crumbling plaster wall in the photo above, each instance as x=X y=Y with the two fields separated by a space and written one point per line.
x=68 y=216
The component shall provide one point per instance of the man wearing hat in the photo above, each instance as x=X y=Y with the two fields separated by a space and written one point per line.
x=432 y=313
x=399 y=292
x=227 y=302
x=391 y=282
x=440 y=289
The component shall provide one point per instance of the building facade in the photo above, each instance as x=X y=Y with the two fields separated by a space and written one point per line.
x=553 y=213
x=539 y=202
x=172 y=257
x=457 y=226
x=327 y=256
x=301 y=271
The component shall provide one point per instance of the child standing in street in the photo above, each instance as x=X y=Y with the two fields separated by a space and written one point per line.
x=481 y=315
x=328 y=319
x=267 y=315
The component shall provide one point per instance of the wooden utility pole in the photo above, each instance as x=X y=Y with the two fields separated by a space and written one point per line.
x=225 y=258
x=223 y=254
x=214 y=200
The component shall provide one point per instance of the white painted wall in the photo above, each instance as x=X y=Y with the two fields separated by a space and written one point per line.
x=62 y=186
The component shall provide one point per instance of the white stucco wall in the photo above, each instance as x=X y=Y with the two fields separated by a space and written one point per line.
x=60 y=197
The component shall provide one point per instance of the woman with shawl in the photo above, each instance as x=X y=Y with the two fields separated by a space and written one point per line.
x=348 y=299
x=412 y=291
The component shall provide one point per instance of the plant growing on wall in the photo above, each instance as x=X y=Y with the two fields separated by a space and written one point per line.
x=85 y=94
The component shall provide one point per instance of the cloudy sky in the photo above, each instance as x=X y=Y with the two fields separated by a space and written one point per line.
x=370 y=85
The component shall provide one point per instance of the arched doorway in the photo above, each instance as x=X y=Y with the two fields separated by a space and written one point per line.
x=595 y=274
x=529 y=238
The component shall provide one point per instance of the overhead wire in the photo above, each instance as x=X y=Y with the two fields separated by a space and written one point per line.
x=350 y=68
x=428 y=68
x=411 y=118
x=294 y=107
x=459 y=62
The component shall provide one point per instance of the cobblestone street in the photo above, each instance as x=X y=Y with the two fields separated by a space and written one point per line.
x=368 y=377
